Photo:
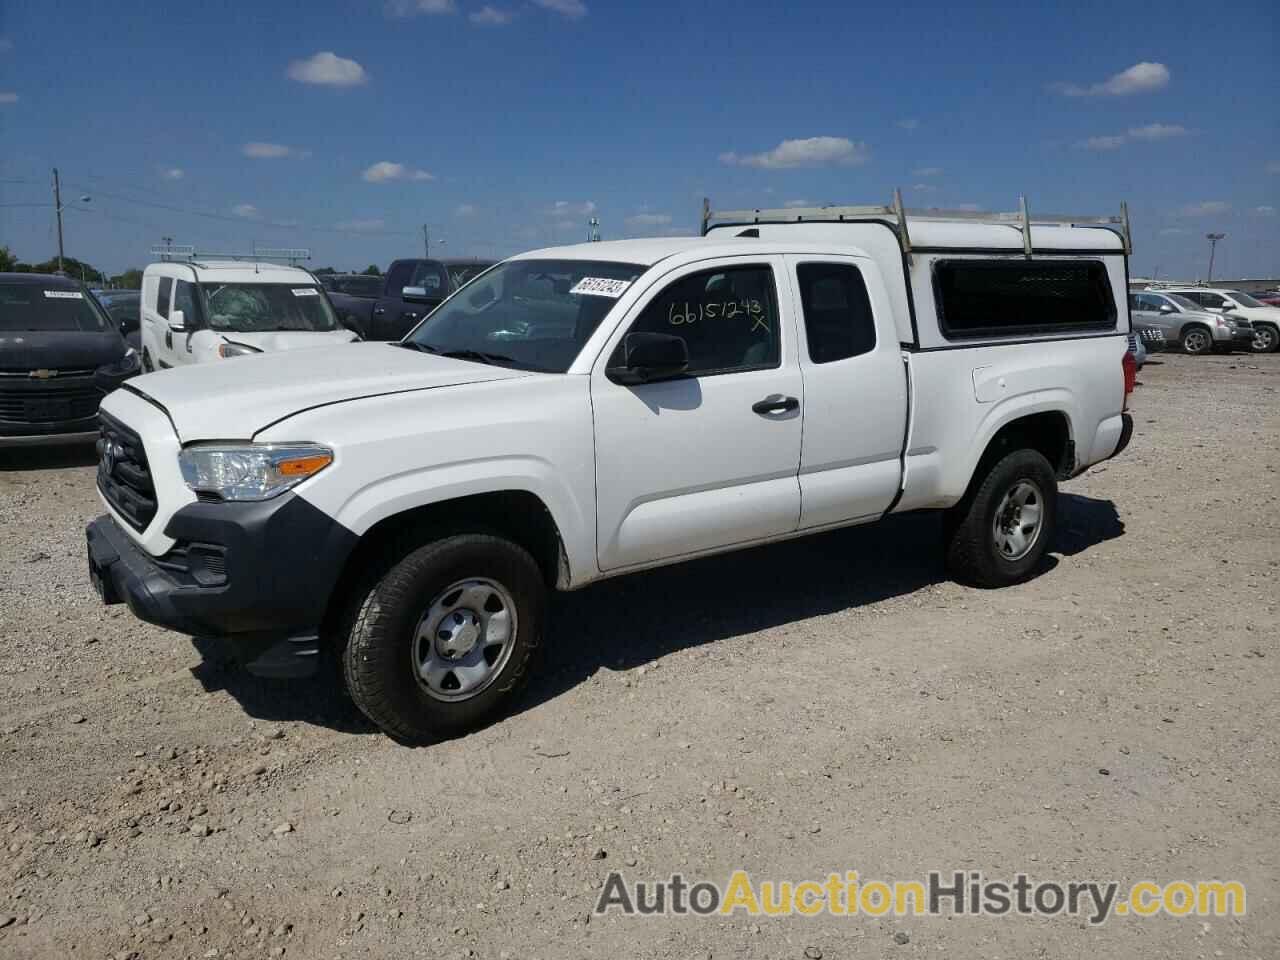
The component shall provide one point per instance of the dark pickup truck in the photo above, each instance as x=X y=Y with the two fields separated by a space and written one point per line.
x=408 y=291
x=388 y=307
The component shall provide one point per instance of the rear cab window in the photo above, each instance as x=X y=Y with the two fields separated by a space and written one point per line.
x=163 y=294
x=838 y=321
x=997 y=298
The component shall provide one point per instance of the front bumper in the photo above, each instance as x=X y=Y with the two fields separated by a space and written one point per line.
x=47 y=439
x=258 y=575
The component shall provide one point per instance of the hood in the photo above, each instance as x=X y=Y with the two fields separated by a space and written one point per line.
x=235 y=399
x=22 y=351
x=276 y=340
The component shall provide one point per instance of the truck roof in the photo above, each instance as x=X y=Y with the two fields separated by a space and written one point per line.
x=232 y=271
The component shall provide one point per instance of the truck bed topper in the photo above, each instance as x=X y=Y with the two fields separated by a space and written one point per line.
x=897 y=216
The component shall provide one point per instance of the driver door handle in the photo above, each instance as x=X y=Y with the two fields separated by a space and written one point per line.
x=775 y=403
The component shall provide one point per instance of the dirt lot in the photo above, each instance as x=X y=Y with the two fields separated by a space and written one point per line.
x=818 y=706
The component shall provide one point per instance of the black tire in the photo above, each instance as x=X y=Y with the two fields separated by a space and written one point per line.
x=1198 y=345
x=1266 y=338
x=383 y=617
x=973 y=555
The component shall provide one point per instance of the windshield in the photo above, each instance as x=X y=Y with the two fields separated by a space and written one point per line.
x=526 y=313
x=37 y=306
x=264 y=307
x=1183 y=302
x=1244 y=299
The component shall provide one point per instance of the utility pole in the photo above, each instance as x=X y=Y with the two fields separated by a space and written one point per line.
x=426 y=242
x=57 y=206
x=1213 y=239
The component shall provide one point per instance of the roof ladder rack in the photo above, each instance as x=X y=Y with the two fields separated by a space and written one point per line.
x=898 y=216
x=187 y=252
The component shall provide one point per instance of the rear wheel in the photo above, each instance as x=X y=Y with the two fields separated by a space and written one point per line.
x=443 y=639
x=1266 y=338
x=1000 y=532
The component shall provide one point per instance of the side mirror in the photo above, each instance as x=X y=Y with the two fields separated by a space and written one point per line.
x=650 y=357
x=414 y=294
x=177 y=320
x=1166 y=308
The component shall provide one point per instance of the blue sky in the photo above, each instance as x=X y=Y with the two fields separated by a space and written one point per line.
x=505 y=124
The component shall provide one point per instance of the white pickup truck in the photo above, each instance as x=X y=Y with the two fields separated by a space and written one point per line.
x=587 y=411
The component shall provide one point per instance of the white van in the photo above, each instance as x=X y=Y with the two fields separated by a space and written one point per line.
x=197 y=311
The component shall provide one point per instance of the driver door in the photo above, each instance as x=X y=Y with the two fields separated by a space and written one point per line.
x=709 y=459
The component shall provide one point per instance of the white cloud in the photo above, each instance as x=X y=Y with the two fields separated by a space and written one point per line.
x=1273 y=166
x=328 y=70
x=465 y=210
x=370 y=225
x=172 y=173
x=409 y=8
x=809 y=152
x=1205 y=208
x=797 y=204
x=573 y=9
x=927 y=172
x=1158 y=131
x=1103 y=143
x=909 y=123
x=1266 y=210
x=565 y=208
x=969 y=207
x=649 y=220
x=1140 y=78
x=246 y=210
x=8 y=96
x=488 y=16
x=384 y=171
x=1173 y=231
x=266 y=151
x=924 y=187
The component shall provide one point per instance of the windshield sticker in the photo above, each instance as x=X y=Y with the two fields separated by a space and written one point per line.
x=64 y=294
x=305 y=292
x=601 y=287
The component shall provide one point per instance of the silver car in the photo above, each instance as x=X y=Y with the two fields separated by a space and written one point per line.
x=1187 y=324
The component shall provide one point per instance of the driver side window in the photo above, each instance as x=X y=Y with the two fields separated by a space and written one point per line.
x=728 y=318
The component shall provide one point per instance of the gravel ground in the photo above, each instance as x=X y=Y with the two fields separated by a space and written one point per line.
x=822 y=705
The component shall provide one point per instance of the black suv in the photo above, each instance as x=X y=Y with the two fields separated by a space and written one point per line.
x=59 y=355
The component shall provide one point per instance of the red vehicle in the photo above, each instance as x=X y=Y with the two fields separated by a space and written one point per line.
x=1270 y=297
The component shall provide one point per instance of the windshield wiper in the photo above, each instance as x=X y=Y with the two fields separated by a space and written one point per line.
x=414 y=345
x=476 y=355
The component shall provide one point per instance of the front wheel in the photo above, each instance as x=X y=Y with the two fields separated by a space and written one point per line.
x=1197 y=340
x=1266 y=338
x=443 y=640
x=1000 y=532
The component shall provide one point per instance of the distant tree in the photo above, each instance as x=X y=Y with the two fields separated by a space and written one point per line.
x=7 y=260
x=372 y=271
x=324 y=270
x=76 y=269
x=129 y=280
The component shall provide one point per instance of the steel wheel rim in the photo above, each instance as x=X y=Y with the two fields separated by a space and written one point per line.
x=1197 y=341
x=1262 y=339
x=1018 y=520
x=464 y=639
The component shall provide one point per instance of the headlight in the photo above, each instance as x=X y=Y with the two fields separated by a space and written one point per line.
x=228 y=349
x=251 y=471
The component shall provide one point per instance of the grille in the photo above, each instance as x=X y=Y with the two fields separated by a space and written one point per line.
x=41 y=402
x=123 y=474
x=1133 y=343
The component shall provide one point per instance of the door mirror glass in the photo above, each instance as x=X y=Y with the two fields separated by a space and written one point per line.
x=414 y=294
x=1166 y=308
x=177 y=320
x=648 y=358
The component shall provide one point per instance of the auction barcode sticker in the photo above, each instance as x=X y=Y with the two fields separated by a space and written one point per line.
x=306 y=292
x=601 y=287
x=64 y=294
